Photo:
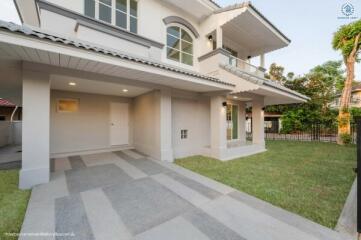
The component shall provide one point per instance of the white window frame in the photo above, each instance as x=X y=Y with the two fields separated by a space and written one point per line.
x=184 y=134
x=113 y=14
x=180 y=45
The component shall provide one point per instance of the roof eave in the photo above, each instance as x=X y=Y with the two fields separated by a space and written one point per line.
x=251 y=7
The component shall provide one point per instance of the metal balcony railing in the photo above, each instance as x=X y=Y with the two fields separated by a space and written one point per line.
x=245 y=66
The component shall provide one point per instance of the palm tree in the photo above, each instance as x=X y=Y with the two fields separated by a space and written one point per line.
x=348 y=40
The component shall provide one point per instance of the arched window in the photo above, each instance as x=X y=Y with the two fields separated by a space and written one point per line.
x=179 y=45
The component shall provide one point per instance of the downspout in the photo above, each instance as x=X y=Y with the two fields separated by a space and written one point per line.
x=11 y=134
x=13 y=113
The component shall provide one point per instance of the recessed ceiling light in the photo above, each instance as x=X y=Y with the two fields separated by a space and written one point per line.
x=72 y=84
x=235 y=97
x=125 y=90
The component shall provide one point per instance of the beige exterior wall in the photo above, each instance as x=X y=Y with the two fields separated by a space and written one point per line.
x=192 y=115
x=87 y=129
x=150 y=13
x=146 y=114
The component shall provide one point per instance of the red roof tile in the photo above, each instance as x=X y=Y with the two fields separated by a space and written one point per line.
x=6 y=103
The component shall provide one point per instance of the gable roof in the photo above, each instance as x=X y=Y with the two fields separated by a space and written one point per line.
x=262 y=81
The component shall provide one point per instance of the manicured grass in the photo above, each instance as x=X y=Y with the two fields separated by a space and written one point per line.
x=13 y=203
x=307 y=178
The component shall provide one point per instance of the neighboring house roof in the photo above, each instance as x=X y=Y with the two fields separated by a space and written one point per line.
x=356 y=88
x=249 y=4
x=12 y=27
x=261 y=81
x=6 y=103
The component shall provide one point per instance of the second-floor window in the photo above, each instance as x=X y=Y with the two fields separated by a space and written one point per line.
x=121 y=13
x=179 y=45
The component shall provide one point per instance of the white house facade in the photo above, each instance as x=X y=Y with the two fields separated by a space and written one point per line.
x=169 y=78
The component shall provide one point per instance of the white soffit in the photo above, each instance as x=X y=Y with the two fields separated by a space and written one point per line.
x=97 y=87
x=28 y=12
x=199 y=9
x=254 y=34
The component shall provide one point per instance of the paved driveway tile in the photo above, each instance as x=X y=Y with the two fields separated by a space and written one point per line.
x=71 y=218
x=127 y=196
x=80 y=180
x=144 y=204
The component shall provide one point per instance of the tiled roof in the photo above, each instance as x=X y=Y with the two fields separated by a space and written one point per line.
x=9 y=26
x=6 y=103
x=261 y=81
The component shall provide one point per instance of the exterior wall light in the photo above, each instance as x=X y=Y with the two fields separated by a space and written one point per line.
x=224 y=104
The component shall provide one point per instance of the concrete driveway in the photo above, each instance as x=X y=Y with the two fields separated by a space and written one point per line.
x=125 y=195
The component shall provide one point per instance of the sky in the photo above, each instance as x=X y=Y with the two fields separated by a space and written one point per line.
x=309 y=24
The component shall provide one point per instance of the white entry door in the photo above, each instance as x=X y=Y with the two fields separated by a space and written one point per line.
x=119 y=124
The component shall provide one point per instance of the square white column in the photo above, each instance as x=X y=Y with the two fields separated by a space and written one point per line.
x=218 y=126
x=242 y=121
x=35 y=130
x=258 y=120
x=219 y=33
x=166 y=148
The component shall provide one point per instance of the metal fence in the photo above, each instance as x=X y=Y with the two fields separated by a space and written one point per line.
x=313 y=132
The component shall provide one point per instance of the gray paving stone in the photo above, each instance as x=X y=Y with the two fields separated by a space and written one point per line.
x=105 y=222
x=70 y=217
x=76 y=162
x=202 y=189
x=80 y=180
x=252 y=223
x=175 y=229
x=140 y=153
x=144 y=204
x=181 y=190
x=287 y=217
x=147 y=166
x=210 y=226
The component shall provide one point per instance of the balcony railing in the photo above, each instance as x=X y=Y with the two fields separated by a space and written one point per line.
x=245 y=66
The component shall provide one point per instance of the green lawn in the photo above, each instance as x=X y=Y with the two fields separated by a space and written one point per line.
x=307 y=178
x=13 y=203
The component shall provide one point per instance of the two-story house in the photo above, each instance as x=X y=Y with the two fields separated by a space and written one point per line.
x=170 y=78
x=355 y=101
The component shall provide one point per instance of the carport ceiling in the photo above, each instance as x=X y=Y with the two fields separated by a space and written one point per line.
x=66 y=83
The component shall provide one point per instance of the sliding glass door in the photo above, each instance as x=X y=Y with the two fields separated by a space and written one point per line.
x=232 y=122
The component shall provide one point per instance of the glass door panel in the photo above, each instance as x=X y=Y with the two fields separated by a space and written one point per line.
x=234 y=122
x=229 y=122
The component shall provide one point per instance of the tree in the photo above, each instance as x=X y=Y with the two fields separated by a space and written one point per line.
x=276 y=73
x=323 y=81
x=347 y=40
x=320 y=85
